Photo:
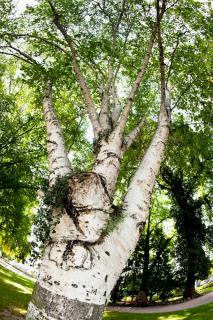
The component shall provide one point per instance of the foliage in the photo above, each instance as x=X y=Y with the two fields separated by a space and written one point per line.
x=52 y=197
x=187 y=178
x=21 y=157
x=113 y=222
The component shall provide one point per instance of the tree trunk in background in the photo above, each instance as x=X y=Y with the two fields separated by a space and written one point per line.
x=143 y=293
x=189 y=290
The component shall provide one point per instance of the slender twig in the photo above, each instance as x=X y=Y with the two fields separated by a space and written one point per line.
x=173 y=56
x=182 y=94
x=172 y=5
x=23 y=35
x=26 y=57
x=16 y=56
x=24 y=54
x=133 y=135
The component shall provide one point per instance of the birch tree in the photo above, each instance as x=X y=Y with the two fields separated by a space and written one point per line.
x=83 y=258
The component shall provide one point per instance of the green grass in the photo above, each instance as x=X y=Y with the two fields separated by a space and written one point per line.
x=15 y=292
x=204 y=312
x=206 y=288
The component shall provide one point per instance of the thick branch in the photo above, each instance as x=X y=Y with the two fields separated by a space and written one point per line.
x=87 y=96
x=104 y=118
x=59 y=164
x=143 y=181
x=137 y=200
x=117 y=105
x=165 y=110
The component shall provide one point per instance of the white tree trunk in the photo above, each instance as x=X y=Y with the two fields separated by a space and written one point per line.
x=81 y=264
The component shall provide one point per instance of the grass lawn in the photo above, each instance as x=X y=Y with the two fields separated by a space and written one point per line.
x=15 y=292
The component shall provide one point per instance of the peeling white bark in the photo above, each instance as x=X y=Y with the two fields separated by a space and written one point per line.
x=107 y=162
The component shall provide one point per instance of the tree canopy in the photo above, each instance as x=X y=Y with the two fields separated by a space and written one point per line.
x=109 y=80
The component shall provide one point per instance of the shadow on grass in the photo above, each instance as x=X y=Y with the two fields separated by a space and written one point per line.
x=5 y=273
x=15 y=292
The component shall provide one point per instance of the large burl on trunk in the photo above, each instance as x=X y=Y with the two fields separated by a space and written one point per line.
x=83 y=259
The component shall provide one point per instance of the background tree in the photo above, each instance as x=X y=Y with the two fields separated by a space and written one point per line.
x=187 y=178
x=21 y=169
x=188 y=214
x=150 y=270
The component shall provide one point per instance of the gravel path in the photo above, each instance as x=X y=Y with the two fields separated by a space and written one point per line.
x=169 y=308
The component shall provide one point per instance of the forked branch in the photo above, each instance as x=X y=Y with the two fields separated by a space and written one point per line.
x=137 y=200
